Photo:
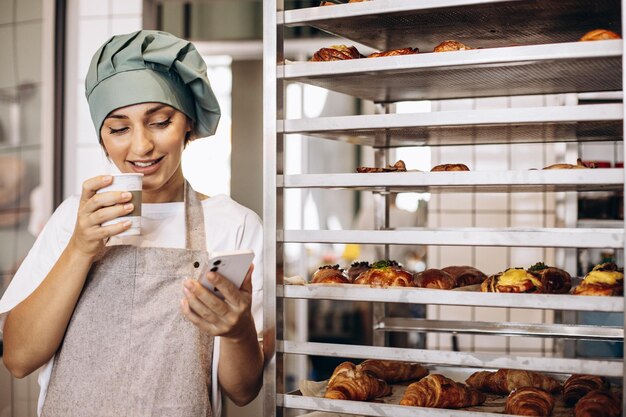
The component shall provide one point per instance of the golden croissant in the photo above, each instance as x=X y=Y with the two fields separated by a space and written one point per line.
x=349 y=383
x=437 y=391
x=393 y=371
x=506 y=380
x=529 y=401
x=577 y=386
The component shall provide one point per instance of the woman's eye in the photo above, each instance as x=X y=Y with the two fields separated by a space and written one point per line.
x=117 y=131
x=164 y=123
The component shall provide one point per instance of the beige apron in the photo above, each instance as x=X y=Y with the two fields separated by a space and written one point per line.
x=128 y=349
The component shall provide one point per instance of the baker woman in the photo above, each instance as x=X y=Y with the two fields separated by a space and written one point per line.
x=120 y=324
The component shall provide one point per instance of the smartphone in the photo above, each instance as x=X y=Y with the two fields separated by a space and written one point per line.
x=232 y=265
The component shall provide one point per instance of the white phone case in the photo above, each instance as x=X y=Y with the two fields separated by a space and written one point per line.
x=231 y=265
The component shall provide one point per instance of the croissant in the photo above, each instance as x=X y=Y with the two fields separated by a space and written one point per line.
x=599 y=35
x=579 y=165
x=450 y=167
x=349 y=383
x=394 y=52
x=465 y=275
x=512 y=280
x=434 y=278
x=604 y=279
x=447 y=46
x=504 y=381
x=393 y=371
x=577 y=386
x=329 y=274
x=529 y=401
x=553 y=280
x=598 y=404
x=437 y=391
x=385 y=274
x=399 y=166
x=356 y=268
x=336 y=53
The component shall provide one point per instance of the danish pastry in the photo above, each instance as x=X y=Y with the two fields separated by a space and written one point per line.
x=512 y=280
x=434 y=278
x=329 y=274
x=385 y=274
x=553 y=280
x=465 y=275
x=604 y=279
x=599 y=35
x=356 y=268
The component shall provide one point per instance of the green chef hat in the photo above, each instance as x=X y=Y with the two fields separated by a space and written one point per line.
x=151 y=66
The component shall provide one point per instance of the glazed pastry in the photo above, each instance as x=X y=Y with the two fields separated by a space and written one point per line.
x=349 y=383
x=356 y=268
x=394 y=52
x=434 y=278
x=385 y=274
x=448 y=46
x=329 y=274
x=393 y=371
x=450 y=167
x=598 y=404
x=529 y=401
x=553 y=280
x=437 y=391
x=599 y=35
x=504 y=381
x=397 y=167
x=604 y=279
x=577 y=386
x=579 y=165
x=512 y=280
x=465 y=275
x=336 y=53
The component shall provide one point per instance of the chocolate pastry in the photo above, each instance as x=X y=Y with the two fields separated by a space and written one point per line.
x=529 y=401
x=605 y=279
x=450 y=167
x=434 y=278
x=465 y=275
x=448 y=46
x=385 y=274
x=437 y=391
x=329 y=274
x=336 y=53
x=599 y=35
x=394 y=52
x=356 y=268
x=397 y=167
x=577 y=386
x=553 y=280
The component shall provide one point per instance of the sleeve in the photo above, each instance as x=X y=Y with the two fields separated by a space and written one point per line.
x=41 y=258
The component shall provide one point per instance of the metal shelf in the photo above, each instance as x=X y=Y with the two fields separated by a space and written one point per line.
x=391 y=24
x=351 y=292
x=600 y=122
x=537 y=69
x=566 y=331
x=523 y=237
x=464 y=181
x=465 y=359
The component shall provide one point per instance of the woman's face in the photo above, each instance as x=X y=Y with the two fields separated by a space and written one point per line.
x=148 y=138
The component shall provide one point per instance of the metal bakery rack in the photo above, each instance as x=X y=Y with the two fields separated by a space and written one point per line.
x=529 y=47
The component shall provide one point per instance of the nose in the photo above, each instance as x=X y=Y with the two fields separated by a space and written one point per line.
x=141 y=142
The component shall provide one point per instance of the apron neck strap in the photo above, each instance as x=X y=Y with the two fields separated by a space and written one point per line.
x=194 y=220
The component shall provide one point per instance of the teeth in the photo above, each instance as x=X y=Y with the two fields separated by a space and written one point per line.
x=144 y=164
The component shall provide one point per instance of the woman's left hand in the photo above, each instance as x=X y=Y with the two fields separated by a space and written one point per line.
x=231 y=317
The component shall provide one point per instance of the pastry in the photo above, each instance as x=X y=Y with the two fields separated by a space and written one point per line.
x=579 y=165
x=356 y=268
x=329 y=274
x=512 y=280
x=437 y=391
x=385 y=274
x=349 y=383
x=393 y=371
x=599 y=35
x=598 y=404
x=336 y=53
x=529 y=401
x=577 y=386
x=397 y=167
x=504 y=381
x=465 y=275
x=434 y=278
x=447 y=46
x=604 y=279
x=394 y=52
x=553 y=280
x=450 y=167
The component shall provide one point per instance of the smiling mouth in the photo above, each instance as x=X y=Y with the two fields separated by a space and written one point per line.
x=146 y=164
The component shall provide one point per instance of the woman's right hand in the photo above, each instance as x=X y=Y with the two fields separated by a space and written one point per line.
x=89 y=235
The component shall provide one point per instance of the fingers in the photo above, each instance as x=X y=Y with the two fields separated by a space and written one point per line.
x=106 y=199
x=105 y=214
x=92 y=185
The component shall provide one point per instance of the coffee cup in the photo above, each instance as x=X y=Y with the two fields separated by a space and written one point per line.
x=132 y=184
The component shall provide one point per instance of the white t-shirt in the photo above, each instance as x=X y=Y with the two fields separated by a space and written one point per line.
x=228 y=226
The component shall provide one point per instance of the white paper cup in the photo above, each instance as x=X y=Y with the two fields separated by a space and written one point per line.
x=132 y=184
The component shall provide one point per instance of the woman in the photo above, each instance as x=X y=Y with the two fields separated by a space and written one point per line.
x=120 y=323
